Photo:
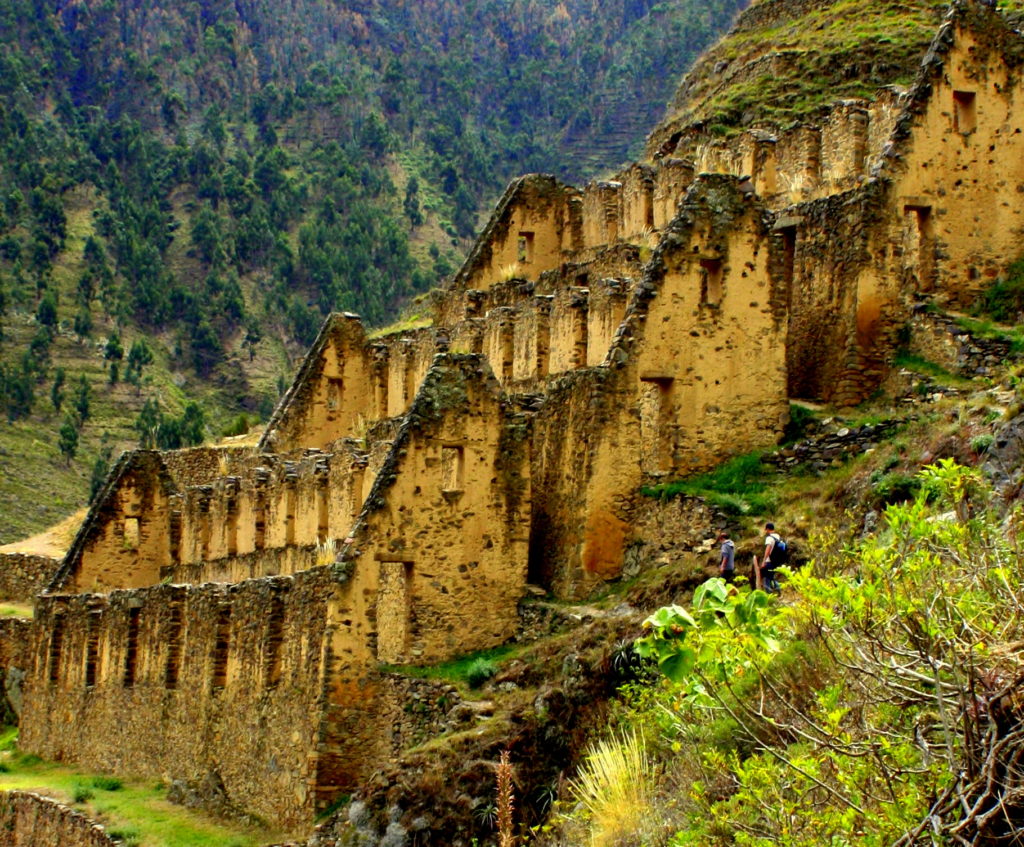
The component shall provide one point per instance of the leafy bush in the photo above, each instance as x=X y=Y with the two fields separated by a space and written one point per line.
x=1004 y=300
x=982 y=443
x=107 y=783
x=896 y=487
x=479 y=672
x=881 y=700
x=82 y=794
x=800 y=417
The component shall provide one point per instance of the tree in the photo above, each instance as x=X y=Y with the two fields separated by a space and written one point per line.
x=46 y=314
x=57 y=391
x=83 y=323
x=83 y=397
x=68 y=440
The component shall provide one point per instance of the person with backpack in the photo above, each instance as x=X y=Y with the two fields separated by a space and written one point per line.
x=776 y=553
x=727 y=558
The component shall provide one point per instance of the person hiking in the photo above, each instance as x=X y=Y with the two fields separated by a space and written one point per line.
x=727 y=560
x=774 y=555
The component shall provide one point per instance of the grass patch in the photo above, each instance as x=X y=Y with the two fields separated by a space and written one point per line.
x=919 y=365
x=16 y=610
x=464 y=670
x=740 y=486
x=982 y=328
x=136 y=812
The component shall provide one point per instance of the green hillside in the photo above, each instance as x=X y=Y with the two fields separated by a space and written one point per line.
x=216 y=177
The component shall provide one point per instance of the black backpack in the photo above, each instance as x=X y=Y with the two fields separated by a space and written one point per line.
x=780 y=552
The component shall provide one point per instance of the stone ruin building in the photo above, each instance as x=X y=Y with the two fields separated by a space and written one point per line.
x=237 y=610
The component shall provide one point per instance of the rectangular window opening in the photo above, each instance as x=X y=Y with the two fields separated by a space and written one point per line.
x=92 y=649
x=452 y=468
x=524 y=248
x=175 y=536
x=131 y=533
x=56 y=646
x=322 y=514
x=334 y=394
x=221 y=643
x=289 y=516
x=507 y=351
x=788 y=255
x=260 y=539
x=711 y=281
x=920 y=244
x=131 y=651
x=965 y=115
x=272 y=647
x=656 y=408
x=174 y=627
x=232 y=527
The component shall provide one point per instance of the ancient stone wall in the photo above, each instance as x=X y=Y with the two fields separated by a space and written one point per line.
x=32 y=820
x=23 y=575
x=266 y=520
x=176 y=681
x=956 y=217
x=535 y=222
x=444 y=531
x=337 y=387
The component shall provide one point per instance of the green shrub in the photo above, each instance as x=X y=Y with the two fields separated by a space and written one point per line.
x=479 y=672
x=82 y=794
x=107 y=783
x=896 y=487
x=982 y=443
x=127 y=836
x=800 y=417
x=1004 y=300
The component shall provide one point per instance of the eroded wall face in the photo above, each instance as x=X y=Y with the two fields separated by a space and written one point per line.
x=129 y=540
x=173 y=682
x=711 y=370
x=957 y=212
x=269 y=519
x=334 y=393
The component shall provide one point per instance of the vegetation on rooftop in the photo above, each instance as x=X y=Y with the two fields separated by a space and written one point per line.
x=844 y=49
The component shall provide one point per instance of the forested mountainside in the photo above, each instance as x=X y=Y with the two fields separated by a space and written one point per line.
x=187 y=188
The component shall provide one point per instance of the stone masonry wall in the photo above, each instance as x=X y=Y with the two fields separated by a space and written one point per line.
x=32 y=820
x=23 y=576
x=177 y=681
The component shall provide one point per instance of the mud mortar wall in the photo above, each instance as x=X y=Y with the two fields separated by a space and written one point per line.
x=443 y=538
x=31 y=820
x=175 y=681
x=334 y=389
x=957 y=215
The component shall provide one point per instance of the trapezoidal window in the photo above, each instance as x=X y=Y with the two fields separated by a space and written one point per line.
x=452 y=468
x=965 y=114
x=711 y=281
x=260 y=524
x=524 y=248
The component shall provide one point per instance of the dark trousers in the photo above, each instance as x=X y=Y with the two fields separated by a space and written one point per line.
x=768 y=580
